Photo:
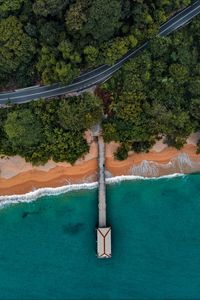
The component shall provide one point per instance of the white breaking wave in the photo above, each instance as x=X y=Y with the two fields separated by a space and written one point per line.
x=38 y=193
x=117 y=179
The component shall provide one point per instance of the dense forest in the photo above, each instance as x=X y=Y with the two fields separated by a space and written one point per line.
x=45 y=41
x=53 y=129
x=155 y=95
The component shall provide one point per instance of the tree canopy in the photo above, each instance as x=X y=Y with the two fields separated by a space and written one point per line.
x=23 y=129
x=44 y=130
x=16 y=47
x=80 y=113
x=46 y=41
x=156 y=95
x=103 y=19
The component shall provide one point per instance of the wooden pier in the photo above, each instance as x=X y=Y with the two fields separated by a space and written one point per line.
x=103 y=232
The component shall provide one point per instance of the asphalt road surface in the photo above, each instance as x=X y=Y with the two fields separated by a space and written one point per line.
x=101 y=73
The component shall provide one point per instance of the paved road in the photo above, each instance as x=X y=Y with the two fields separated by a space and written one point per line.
x=101 y=73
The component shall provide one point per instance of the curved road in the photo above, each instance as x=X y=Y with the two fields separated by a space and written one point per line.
x=101 y=73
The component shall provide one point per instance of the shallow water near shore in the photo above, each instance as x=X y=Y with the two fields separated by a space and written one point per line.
x=48 y=247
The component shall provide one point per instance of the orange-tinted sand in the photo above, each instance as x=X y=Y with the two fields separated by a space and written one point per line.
x=163 y=157
x=58 y=176
x=19 y=177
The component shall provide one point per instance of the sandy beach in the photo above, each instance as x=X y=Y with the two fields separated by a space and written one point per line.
x=19 y=177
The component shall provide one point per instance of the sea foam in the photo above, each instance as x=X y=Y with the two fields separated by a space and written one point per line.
x=41 y=192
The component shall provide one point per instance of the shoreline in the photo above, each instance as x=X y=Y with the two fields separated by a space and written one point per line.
x=42 y=192
x=18 y=177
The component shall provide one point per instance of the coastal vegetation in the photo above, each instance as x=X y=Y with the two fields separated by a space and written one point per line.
x=46 y=41
x=155 y=95
x=52 y=129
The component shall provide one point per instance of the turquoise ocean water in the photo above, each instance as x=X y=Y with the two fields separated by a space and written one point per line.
x=48 y=247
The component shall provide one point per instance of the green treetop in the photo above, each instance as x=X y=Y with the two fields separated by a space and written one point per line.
x=23 y=129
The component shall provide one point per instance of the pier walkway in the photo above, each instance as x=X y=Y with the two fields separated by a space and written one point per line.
x=102 y=185
x=103 y=232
